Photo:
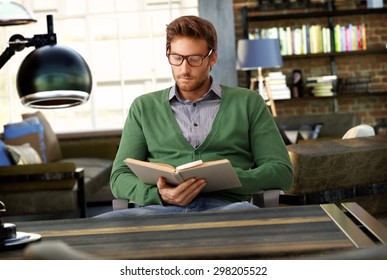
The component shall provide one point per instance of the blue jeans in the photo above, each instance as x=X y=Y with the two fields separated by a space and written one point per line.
x=198 y=204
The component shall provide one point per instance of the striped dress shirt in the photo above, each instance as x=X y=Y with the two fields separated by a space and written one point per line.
x=195 y=118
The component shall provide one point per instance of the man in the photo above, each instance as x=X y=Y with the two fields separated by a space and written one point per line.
x=198 y=119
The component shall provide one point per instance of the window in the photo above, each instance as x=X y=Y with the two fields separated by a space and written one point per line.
x=122 y=41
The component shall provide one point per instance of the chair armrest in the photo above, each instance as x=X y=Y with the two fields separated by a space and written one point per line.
x=37 y=177
x=267 y=199
x=36 y=168
x=122 y=203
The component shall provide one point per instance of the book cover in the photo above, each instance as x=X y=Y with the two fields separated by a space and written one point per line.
x=305 y=38
x=219 y=174
x=363 y=36
x=297 y=40
x=289 y=40
x=348 y=44
x=358 y=36
x=342 y=38
x=352 y=37
x=337 y=38
x=283 y=41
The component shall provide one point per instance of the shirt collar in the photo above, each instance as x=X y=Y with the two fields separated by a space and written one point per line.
x=214 y=89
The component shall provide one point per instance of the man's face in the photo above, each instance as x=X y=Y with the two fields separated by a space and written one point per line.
x=191 y=79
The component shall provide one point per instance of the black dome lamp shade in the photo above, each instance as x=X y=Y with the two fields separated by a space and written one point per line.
x=51 y=76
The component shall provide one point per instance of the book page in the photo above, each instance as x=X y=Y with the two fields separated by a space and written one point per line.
x=189 y=165
x=154 y=165
x=150 y=172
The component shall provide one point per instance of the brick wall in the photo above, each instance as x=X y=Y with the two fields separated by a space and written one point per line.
x=370 y=108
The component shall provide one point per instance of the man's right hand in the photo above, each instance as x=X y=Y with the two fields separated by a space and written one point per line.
x=182 y=194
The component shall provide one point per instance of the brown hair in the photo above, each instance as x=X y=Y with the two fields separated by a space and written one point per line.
x=194 y=27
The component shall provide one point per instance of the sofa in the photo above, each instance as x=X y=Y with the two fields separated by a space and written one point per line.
x=340 y=170
x=306 y=128
x=73 y=172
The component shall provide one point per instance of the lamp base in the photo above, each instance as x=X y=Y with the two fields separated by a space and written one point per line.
x=10 y=238
x=21 y=239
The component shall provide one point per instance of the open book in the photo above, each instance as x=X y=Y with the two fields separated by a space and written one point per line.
x=219 y=174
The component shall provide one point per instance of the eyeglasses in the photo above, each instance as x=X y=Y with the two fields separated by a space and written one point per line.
x=193 y=60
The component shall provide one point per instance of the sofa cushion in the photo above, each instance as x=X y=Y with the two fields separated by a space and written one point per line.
x=4 y=155
x=96 y=170
x=20 y=131
x=53 y=152
x=24 y=154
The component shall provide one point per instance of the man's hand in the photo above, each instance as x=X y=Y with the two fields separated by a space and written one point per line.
x=182 y=194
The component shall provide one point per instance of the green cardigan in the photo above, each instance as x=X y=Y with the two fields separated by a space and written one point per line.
x=243 y=131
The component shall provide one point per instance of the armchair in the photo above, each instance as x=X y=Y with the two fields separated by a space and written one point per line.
x=76 y=169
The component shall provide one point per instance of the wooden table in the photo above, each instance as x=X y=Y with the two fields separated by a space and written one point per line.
x=268 y=233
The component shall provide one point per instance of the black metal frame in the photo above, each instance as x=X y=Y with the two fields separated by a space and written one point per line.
x=78 y=175
x=17 y=42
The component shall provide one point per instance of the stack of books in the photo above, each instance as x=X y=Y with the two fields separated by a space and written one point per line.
x=345 y=4
x=322 y=85
x=278 y=87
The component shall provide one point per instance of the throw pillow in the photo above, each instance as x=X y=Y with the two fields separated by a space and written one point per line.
x=294 y=133
x=53 y=151
x=23 y=128
x=24 y=154
x=4 y=156
x=32 y=138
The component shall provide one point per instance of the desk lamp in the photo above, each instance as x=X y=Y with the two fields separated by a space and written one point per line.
x=51 y=76
x=12 y=13
x=10 y=237
x=256 y=55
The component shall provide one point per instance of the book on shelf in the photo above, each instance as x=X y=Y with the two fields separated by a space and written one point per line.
x=278 y=87
x=219 y=174
x=326 y=40
x=363 y=37
x=297 y=39
x=313 y=39
x=283 y=94
x=321 y=85
x=337 y=32
x=283 y=41
x=321 y=79
x=289 y=40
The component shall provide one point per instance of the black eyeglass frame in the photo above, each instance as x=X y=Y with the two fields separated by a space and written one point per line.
x=186 y=57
